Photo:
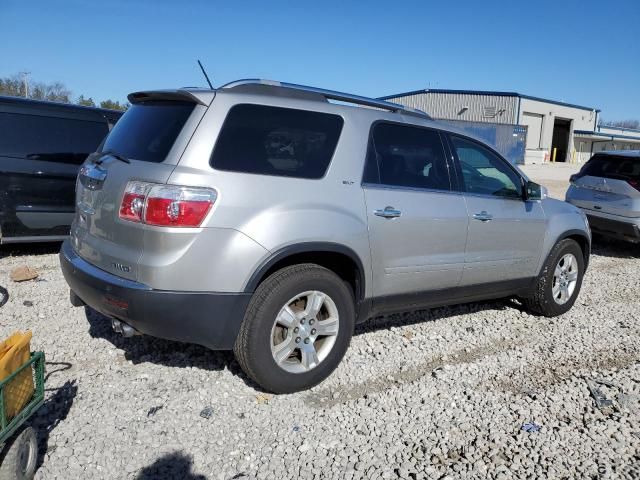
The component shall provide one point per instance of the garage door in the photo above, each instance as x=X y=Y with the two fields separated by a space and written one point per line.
x=534 y=131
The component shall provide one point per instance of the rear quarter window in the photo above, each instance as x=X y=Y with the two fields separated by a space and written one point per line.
x=49 y=138
x=278 y=141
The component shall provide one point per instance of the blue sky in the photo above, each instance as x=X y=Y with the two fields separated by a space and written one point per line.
x=583 y=52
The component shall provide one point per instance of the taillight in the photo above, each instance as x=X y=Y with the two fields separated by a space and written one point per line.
x=166 y=205
x=171 y=206
x=132 y=205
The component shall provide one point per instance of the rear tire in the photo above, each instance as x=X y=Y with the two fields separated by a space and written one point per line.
x=20 y=456
x=267 y=348
x=560 y=280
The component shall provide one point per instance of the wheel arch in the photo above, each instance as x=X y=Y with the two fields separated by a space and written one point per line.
x=582 y=239
x=338 y=258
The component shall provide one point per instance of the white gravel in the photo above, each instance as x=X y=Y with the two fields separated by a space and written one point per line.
x=432 y=394
x=554 y=176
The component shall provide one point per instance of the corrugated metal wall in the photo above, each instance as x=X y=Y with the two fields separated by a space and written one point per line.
x=479 y=108
x=509 y=140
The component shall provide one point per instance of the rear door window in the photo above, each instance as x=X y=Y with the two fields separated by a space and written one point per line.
x=148 y=130
x=616 y=167
x=406 y=156
x=277 y=141
x=53 y=139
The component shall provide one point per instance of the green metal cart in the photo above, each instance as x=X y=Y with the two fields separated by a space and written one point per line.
x=19 y=444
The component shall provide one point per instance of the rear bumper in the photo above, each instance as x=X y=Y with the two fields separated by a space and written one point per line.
x=206 y=318
x=624 y=230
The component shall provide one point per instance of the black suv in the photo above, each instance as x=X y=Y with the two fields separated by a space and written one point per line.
x=42 y=145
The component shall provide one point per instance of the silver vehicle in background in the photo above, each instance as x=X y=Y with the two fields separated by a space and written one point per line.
x=607 y=189
x=270 y=218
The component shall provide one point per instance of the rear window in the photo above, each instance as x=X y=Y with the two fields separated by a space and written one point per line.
x=613 y=166
x=53 y=139
x=277 y=141
x=147 y=131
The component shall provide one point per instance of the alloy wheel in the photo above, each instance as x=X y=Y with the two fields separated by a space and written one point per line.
x=565 y=278
x=304 y=331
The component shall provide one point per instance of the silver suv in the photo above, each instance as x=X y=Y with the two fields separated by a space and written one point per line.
x=607 y=188
x=270 y=218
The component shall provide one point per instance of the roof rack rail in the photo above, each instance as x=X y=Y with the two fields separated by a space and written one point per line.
x=334 y=95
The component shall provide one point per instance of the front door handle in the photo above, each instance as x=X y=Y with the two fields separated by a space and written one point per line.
x=483 y=216
x=387 y=212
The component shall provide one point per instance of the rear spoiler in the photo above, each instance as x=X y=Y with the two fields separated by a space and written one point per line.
x=201 y=98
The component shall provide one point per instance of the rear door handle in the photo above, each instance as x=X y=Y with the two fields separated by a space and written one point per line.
x=387 y=212
x=483 y=216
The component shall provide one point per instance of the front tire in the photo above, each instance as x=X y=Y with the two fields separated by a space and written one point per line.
x=559 y=283
x=297 y=328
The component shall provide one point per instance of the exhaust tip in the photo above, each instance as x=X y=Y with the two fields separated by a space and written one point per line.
x=124 y=329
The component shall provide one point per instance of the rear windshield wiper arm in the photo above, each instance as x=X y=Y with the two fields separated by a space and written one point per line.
x=116 y=155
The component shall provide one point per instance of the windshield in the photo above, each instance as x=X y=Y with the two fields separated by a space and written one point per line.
x=148 y=130
x=613 y=166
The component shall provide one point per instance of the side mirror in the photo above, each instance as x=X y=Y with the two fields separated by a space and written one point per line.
x=534 y=191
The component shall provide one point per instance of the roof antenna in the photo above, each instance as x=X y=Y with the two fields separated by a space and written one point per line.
x=205 y=75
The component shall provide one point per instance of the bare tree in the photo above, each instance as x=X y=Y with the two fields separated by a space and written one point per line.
x=12 y=86
x=635 y=124
x=53 y=92
x=15 y=86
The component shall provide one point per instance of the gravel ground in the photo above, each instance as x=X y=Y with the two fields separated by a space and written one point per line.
x=554 y=176
x=430 y=394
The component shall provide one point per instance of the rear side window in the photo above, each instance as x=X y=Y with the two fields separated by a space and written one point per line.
x=277 y=141
x=612 y=166
x=148 y=130
x=53 y=139
x=405 y=156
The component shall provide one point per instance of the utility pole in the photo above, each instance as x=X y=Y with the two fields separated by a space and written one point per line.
x=26 y=83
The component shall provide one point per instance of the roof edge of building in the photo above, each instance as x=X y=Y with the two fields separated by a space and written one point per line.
x=611 y=136
x=622 y=129
x=488 y=93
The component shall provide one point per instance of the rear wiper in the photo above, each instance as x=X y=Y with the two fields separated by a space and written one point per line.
x=116 y=155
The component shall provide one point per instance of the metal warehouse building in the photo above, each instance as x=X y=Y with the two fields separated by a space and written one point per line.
x=540 y=129
x=605 y=138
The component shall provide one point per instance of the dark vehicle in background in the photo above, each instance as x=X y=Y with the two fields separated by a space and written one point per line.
x=42 y=145
x=607 y=189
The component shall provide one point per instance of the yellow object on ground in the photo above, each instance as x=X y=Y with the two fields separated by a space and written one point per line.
x=15 y=351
